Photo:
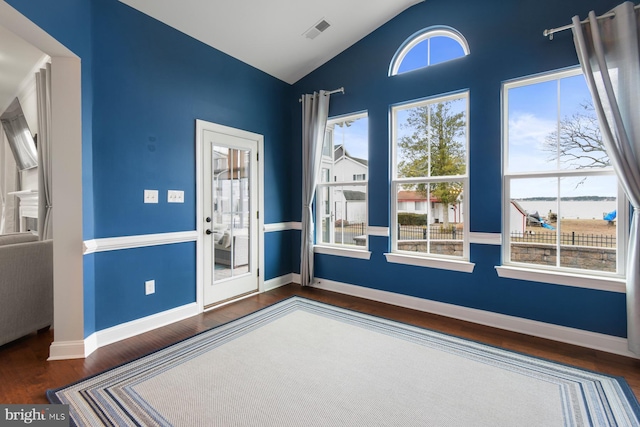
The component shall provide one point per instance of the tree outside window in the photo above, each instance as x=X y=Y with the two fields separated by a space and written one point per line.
x=430 y=176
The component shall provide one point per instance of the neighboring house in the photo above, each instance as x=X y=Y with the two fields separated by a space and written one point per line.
x=416 y=202
x=347 y=167
x=355 y=208
x=350 y=204
x=517 y=218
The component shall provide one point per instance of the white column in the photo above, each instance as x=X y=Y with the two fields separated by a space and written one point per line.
x=68 y=317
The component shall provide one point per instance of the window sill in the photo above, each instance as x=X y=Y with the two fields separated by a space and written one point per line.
x=611 y=284
x=344 y=252
x=441 y=263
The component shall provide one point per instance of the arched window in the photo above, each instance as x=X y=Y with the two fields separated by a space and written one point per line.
x=428 y=47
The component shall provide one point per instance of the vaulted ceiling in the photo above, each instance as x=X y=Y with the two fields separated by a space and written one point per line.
x=271 y=35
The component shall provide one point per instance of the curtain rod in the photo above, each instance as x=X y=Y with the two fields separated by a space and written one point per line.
x=330 y=92
x=551 y=32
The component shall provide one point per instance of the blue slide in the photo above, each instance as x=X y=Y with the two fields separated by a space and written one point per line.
x=545 y=225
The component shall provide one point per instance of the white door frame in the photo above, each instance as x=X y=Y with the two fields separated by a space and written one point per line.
x=201 y=125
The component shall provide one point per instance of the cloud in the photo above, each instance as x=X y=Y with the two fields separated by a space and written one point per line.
x=526 y=129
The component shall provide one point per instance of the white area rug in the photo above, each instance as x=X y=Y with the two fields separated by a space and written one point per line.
x=305 y=363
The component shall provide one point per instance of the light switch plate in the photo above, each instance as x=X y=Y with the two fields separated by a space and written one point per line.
x=151 y=196
x=175 y=196
x=149 y=287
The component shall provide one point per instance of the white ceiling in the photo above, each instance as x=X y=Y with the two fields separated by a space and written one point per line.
x=18 y=60
x=269 y=34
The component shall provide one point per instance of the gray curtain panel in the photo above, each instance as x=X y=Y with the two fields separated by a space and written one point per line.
x=315 y=109
x=608 y=52
x=43 y=92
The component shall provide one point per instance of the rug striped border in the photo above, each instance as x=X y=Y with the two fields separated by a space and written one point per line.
x=108 y=398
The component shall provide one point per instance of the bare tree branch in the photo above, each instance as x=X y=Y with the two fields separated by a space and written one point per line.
x=580 y=144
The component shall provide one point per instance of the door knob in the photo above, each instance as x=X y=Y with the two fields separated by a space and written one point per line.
x=208 y=231
x=208 y=219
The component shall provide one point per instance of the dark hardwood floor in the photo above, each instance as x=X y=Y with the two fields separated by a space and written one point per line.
x=25 y=374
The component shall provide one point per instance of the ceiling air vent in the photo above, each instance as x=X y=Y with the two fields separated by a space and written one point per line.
x=315 y=31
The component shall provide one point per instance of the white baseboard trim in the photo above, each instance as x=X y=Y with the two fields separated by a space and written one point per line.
x=140 y=241
x=64 y=350
x=277 y=282
x=139 y=326
x=564 y=334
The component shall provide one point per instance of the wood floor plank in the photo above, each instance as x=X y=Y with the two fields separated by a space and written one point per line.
x=25 y=374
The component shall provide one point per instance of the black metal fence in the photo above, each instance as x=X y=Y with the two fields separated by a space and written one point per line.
x=594 y=240
x=347 y=235
x=436 y=232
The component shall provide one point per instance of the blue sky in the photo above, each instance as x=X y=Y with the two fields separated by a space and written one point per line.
x=354 y=137
x=441 y=49
x=534 y=111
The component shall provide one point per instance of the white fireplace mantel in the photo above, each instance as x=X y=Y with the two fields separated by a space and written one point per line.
x=28 y=207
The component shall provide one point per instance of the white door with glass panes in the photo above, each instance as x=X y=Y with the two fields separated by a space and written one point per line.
x=230 y=213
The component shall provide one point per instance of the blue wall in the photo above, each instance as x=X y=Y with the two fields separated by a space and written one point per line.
x=151 y=83
x=120 y=293
x=506 y=42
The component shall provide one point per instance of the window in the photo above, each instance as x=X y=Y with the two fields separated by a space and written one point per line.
x=428 y=47
x=562 y=204
x=341 y=204
x=430 y=177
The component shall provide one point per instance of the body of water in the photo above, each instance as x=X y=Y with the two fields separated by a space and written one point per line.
x=570 y=209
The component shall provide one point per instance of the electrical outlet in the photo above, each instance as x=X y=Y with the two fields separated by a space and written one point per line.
x=149 y=287
x=151 y=196
x=175 y=196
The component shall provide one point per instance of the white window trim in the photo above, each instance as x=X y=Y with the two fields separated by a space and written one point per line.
x=421 y=36
x=556 y=277
x=342 y=251
x=463 y=266
x=427 y=259
x=553 y=274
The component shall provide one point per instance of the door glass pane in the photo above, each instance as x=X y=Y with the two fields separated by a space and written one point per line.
x=231 y=208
